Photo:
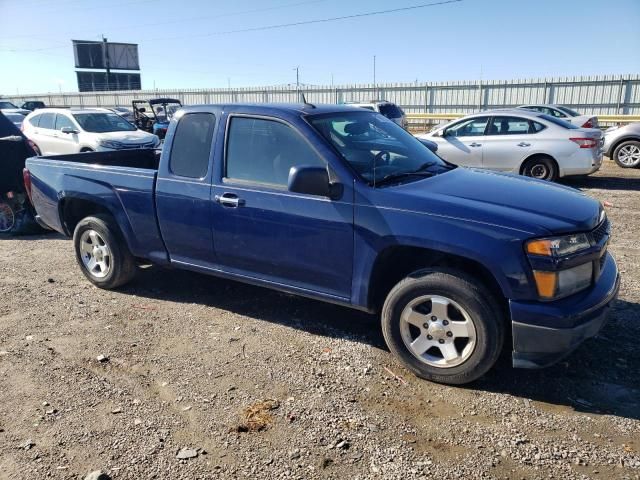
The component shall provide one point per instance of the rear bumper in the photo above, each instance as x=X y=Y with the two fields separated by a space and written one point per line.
x=544 y=333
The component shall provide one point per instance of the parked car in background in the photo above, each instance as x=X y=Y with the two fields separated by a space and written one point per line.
x=341 y=204
x=388 y=109
x=154 y=115
x=124 y=112
x=15 y=118
x=519 y=141
x=67 y=130
x=32 y=105
x=566 y=114
x=8 y=107
x=622 y=145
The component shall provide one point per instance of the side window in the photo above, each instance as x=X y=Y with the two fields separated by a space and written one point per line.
x=192 y=145
x=47 y=120
x=263 y=151
x=468 y=128
x=35 y=120
x=63 y=121
x=509 y=126
x=537 y=127
x=555 y=113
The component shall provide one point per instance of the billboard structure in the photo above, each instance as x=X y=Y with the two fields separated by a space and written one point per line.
x=106 y=56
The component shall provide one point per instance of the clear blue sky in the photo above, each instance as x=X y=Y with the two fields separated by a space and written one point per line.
x=492 y=39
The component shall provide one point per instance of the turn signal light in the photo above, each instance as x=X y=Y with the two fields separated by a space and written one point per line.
x=546 y=282
x=540 y=247
x=585 y=142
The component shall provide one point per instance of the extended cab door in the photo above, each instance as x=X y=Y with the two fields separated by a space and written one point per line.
x=183 y=190
x=261 y=230
x=461 y=143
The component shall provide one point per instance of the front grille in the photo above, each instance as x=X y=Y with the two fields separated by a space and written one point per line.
x=132 y=146
x=601 y=231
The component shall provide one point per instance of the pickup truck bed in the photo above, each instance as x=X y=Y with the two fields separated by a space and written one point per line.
x=125 y=180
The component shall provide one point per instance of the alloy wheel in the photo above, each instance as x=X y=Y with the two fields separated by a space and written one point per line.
x=95 y=254
x=438 y=331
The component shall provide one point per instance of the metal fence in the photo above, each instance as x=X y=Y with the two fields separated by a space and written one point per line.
x=599 y=95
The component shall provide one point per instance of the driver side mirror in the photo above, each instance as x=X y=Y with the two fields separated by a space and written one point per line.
x=68 y=130
x=313 y=181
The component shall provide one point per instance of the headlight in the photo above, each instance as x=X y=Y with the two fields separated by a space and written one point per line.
x=110 y=144
x=553 y=285
x=558 y=246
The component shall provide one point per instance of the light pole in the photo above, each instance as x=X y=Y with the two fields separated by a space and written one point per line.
x=374 y=76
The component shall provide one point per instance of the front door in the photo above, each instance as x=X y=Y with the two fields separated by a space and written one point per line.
x=263 y=231
x=462 y=142
x=65 y=142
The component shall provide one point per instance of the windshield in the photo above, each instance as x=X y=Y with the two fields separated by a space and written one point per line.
x=558 y=121
x=568 y=111
x=103 y=122
x=164 y=112
x=7 y=105
x=14 y=117
x=375 y=147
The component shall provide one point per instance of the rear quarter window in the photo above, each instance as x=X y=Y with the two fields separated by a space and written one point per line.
x=192 y=145
x=35 y=120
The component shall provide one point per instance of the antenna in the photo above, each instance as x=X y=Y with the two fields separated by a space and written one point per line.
x=303 y=100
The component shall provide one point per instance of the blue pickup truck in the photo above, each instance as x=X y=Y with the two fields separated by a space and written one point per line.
x=340 y=204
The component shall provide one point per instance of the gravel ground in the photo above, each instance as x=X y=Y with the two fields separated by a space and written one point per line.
x=184 y=376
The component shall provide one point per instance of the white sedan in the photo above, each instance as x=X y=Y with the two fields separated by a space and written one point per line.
x=519 y=141
x=566 y=114
x=57 y=131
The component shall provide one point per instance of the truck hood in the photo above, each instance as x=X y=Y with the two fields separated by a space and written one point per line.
x=515 y=202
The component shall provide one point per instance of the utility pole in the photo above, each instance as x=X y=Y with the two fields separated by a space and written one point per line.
x=297 y=69
x=229 y=83
x=375 y=89
x=106 y=60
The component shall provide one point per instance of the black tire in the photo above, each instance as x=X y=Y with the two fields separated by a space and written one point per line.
x=121 y=264
x=7 y=217
x=482 y=308
x=86 y=150
x=541 y=167
x=626 y=145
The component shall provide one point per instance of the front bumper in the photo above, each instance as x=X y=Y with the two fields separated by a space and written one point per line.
x=544 y=333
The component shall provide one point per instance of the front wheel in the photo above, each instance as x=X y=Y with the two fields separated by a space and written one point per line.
x=627 y=154
x=443 y=326
x=102 y=253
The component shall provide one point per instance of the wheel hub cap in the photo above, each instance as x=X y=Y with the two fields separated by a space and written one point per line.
x=438 y=331
x=95 y=254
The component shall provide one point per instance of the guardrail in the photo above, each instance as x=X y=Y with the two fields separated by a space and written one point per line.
x=418 y=121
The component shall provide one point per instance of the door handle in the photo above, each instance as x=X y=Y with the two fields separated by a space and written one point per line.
x=524 y=144
x=474 y=144
x=229 y=200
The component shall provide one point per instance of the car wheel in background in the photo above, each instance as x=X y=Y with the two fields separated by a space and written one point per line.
x=627 y=154
x=102 y=253
x=443 y=326
x=7 y=218
x=540 y=167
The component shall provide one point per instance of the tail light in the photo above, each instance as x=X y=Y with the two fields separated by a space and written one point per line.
x=588 y=124
x=26 y=176
x=585 y=142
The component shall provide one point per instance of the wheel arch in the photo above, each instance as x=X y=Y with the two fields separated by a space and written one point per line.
x=619 y=142
x=538 y=155
x=397 y=262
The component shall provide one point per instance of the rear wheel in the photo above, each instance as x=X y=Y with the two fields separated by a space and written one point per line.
x=102 y=253
x=7 y=218
x=443 y=326
x=542 y=168
x=627 y=154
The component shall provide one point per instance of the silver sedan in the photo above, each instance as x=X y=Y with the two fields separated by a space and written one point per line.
x=622 y=145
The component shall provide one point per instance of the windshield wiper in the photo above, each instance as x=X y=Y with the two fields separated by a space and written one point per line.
x=399 y=175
